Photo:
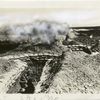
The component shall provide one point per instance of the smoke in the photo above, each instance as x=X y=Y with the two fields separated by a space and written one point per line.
x=35 y=32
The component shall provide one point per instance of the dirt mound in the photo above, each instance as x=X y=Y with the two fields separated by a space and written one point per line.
x=80 y=73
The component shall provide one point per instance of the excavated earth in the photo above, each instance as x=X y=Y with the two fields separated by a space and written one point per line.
x=80 y=73
x=30 y=62
x=50 y=69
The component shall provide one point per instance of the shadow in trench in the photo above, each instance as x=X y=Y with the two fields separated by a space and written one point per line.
x=31 y=76
x=28 y=88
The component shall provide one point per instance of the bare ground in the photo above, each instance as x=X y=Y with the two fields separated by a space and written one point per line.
x=80 y=73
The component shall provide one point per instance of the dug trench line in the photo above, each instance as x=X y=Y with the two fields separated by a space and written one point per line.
x=33 y=66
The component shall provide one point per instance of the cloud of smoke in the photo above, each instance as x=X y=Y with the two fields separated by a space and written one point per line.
x=36 y=32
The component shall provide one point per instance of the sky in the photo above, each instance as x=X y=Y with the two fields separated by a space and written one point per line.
x=73 y=12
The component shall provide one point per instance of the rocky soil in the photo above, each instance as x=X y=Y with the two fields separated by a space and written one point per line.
x=80 y=73
x=77 y=72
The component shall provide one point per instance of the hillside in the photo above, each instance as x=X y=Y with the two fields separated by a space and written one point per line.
x=38 y=65
x=80 y=73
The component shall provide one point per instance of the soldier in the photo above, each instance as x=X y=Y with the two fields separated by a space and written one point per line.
x=30 y=87
x=23 y=84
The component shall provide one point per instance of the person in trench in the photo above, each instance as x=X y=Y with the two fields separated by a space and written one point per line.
x=26 y=84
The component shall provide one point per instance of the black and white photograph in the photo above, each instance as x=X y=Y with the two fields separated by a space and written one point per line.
x=50 y=47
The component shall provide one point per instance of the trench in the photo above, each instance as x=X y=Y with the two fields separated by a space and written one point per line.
x=29 y=77
x=32 y=76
